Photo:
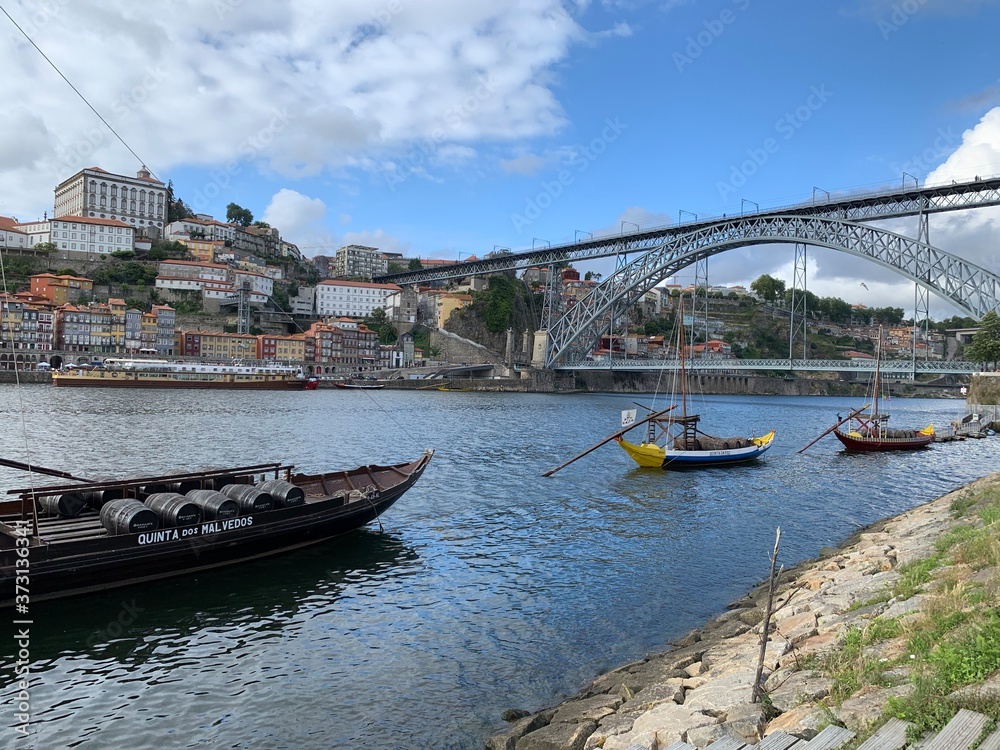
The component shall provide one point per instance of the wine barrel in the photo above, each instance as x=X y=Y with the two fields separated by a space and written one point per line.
x=221 y=481
x=68 y=504
x=250 y=499
x=173 y=509
x=147 y=485
x=97 y=498
x=128 y=516
x=214 y=505
x=285 y=494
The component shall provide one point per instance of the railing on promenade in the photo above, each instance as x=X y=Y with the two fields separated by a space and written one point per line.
x=721 y=366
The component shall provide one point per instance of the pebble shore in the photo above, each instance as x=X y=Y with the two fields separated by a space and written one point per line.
x=701 y=690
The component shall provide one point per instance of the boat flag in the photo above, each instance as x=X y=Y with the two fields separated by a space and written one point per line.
x=628 y=417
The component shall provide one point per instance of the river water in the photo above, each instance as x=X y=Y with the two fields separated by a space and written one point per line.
x=490 y=586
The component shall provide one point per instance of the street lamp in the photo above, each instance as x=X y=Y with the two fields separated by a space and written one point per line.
x=746 y=200
x=577 y=232
x=822 y=191
x=682 y=211
x=916 y=182
x=536 y=239
x=628 y=222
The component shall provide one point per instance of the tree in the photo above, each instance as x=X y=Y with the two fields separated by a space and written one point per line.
x=768 y=288
x=985 y=346
x=379 y=322
x=238 y=215
x=177 y=209
x=262 y=224
x=592 y=276
x=415 y=265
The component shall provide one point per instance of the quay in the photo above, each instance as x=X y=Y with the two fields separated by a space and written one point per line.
x=839 y=659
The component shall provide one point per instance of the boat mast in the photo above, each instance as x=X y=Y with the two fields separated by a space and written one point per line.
x=876 y=381
x=680 y=352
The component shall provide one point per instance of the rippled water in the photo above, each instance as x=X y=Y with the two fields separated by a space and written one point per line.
x=490 y=587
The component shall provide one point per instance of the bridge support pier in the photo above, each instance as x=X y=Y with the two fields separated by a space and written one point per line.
x=538 y=348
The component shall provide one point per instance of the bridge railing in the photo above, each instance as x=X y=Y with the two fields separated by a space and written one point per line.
x=719 y=366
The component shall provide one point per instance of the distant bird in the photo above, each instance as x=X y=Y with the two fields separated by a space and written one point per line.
x=864 y=285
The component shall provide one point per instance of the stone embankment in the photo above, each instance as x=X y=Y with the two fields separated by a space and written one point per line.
x=701 y=690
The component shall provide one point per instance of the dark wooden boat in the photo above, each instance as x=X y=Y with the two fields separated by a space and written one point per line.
x=67 y=539
x=358 y=384
x=867 y=429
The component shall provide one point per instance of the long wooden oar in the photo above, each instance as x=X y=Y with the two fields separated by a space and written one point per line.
x=40 y=470
x=831 y=429
x=609 y=438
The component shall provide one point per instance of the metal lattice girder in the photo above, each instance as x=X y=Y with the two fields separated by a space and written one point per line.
x=860 y=207
x=972 y=289
x=717 y=366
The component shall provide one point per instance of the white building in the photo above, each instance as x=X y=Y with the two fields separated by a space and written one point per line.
x=359 y=261
x=201 y=225
x=354 y=299
x=193 y=270
x=10 y=237
x=140 y=202
x=83 y=236
x=304 y=303
x=259 y=283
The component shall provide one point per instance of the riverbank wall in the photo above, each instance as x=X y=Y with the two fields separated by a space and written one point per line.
x=859 y=598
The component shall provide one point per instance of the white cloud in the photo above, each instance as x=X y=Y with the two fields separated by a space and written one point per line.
x=523 y=164
x=294 y=88
x=297 y=216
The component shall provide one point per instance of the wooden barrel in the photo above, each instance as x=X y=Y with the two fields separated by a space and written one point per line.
x=285 y=494
x=250 y=499
x=147 y=486
x=128 y=516
x=68 y=504
x=97 y=498
x=221 y=481
x=214 y=505
x=173 y=509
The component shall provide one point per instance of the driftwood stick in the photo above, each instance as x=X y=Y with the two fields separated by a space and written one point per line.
x=758 y=688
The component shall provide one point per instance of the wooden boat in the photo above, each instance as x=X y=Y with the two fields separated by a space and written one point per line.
x=160 y=373
x=358 y=384
x=866 y=429
x=92 y=535
x=676 y=442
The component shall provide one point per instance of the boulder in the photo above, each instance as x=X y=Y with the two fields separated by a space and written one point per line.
x=745 y=722
x=557 y=737
x=589 y=709
x=799 y=688
x=797 y=628
x=507 y=740
x=804 y=721
x=671 y=691
x=719 y=695
x=668 y=722
x=861 y=710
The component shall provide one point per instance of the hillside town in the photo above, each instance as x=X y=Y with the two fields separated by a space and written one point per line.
x=317 y=311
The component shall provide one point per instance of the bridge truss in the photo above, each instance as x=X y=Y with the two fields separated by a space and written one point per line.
x=899 y=367
x=972 y=289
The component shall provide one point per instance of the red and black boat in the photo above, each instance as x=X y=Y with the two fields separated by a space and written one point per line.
x=87 y=536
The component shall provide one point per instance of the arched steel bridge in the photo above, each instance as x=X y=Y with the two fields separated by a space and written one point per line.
x=888 y=204
x=712 y=366
x=832 y=224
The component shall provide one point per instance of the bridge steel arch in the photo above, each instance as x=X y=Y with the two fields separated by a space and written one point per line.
x=972 y=289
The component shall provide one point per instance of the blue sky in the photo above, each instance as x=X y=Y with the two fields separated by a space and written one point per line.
x=445 y=128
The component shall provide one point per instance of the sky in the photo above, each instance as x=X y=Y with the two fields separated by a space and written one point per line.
x=449 y=128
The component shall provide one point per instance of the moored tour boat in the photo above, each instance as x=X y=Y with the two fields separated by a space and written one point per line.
x=358 y=384
x=867 y=430
x=93 y=535
x=159 y=373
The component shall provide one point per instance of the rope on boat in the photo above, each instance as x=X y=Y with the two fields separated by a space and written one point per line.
x=370 y=493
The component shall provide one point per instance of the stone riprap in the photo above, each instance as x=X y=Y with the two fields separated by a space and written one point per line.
x=701 y=690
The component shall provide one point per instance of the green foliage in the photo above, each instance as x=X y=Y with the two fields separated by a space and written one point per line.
x=131 y=272
x=379 y=322
x=45 y=247
x=495 y=304
x=422 y=340
x=123 y=254
x=415 y=265
x=985 y=346
x=768 y=288
x=177 y=209
x=236 y=214
x=914 y=576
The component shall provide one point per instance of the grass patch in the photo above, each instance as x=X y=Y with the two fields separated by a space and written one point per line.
x=957 y=536
x=961 y=504
x=880 y=599
x=850 y=668
x=913 y=576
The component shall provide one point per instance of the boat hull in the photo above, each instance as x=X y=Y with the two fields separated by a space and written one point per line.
x=359 y=386
x=654 y=456
x=98 y=562
x=224 y=381
x=861 y=444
